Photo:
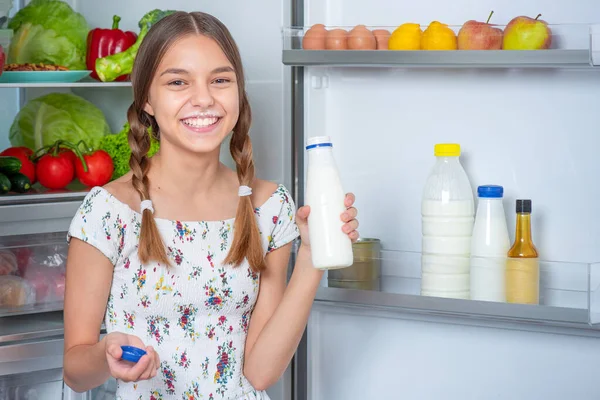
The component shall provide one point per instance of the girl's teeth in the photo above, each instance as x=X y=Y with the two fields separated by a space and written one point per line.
x=200 y=122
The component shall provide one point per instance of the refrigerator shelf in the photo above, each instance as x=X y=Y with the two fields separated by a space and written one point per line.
x=84 y=84
x=574 y=46
x=574 y=59
x=569 y=294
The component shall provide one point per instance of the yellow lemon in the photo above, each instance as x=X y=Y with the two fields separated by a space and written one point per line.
x=406 y=37
x=438 y=36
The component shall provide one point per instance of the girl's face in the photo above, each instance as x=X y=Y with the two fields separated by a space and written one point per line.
x=194 y=95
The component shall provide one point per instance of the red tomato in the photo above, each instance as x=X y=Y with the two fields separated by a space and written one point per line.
x=100 y=169
x=70 y=155
x=55 y=172
x=27 y=166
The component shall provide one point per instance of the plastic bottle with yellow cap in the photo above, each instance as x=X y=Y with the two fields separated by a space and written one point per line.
x=448 y=215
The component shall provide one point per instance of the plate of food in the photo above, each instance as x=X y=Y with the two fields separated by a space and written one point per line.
x=40 y=73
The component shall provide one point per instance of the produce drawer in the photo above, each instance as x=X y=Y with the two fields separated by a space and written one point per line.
x=32 y=273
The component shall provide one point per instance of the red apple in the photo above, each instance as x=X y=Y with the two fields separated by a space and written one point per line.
x=475 y=35
x=525 y=33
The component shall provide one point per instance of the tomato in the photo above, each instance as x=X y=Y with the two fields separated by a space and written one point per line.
x=100 y=168
x=70 y=155
x=55 y=172
x=23 y=154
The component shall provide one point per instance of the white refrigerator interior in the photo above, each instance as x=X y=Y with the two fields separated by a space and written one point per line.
x=256 y=27
x=533 y=131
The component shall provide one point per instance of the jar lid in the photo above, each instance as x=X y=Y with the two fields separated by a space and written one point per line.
x=131 y=353
x=523 y=206
x=447 y=150
x=490 y=191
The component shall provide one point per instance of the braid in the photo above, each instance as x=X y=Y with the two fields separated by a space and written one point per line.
x=151 y=246
x=246 y=239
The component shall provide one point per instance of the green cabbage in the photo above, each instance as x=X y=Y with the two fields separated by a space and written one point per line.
x=65 y=116
x=49 y=32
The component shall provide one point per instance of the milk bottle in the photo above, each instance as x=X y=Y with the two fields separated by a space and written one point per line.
x=447 y=211
x=331 y=248
x=489 y=246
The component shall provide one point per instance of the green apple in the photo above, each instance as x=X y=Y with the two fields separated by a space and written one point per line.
x=525 y=33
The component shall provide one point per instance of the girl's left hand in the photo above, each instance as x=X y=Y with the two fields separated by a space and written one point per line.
x=348 y=217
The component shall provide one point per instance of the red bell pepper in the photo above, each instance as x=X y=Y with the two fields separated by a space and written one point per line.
x=106 y=42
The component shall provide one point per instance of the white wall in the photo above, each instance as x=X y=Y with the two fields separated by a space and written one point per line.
x=534 y=132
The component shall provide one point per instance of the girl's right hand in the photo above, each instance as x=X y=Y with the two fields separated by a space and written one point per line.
x=145 y=368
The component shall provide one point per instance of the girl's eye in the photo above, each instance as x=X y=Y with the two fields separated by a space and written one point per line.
x=221 y=81
x=176 y=83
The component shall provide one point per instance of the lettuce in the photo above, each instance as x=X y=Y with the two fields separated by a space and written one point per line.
x=55 y=116
x=49 y=32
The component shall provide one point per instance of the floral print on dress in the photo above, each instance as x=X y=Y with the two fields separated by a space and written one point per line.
x=216 y=296
x=183 y=232
x=130 y=320
x=193 y=393
x=140 y=278
x=224 y=232
x=169 y=377
x=175 y=254
x=225 y=365
x=195 y=312
x=145 y=301
x=155 y=395
x=182 y=359
x=110 y=311
x=158 y=327
x=196 y=272
x=186 y=320
x=162 y=288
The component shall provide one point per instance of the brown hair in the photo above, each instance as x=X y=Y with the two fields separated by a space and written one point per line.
x=246 y=240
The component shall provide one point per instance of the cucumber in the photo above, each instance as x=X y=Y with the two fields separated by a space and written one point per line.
x=4 y=184
x=19 y=182
x=9 y=164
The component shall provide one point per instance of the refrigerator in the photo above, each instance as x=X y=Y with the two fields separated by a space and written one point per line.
x=526 y=120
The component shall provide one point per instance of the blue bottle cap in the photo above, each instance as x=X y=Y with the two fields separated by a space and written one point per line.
x=490 y=191
x=131 y=353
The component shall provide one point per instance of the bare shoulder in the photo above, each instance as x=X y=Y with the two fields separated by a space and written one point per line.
x=123 y=190
x=262 y=191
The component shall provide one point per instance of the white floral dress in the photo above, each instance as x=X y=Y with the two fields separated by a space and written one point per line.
x=196 y=313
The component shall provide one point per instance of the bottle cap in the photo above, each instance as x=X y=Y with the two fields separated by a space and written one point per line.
x=524 y=206
x=318 y=141
x=490 y=191
x=447 y=150
x=131 y=353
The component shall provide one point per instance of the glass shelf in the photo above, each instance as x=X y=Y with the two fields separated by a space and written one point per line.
x=574 y=46
x=569 y=294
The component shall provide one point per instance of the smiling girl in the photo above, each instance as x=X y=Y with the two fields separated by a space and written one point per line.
x=184 y=257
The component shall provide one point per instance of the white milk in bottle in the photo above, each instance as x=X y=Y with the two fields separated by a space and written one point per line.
x=447 y=211
x=489 y=246
x=331 y=248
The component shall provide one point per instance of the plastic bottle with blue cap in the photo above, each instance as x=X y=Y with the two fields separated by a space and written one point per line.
x=489 y=246
x=331 y=248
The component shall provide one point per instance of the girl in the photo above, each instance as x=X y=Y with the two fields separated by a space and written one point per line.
x=158 y=255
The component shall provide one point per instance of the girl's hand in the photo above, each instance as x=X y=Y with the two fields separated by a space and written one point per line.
x=145 y=368
x=348 y=217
